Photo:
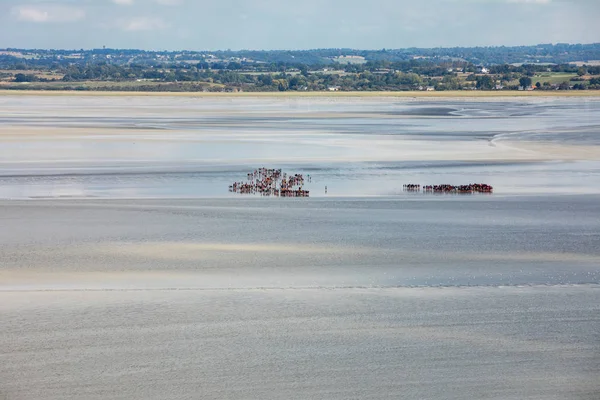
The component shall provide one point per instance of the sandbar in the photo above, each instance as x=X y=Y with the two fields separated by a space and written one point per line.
x=339 y=94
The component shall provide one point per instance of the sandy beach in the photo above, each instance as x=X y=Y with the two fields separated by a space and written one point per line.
x=128 y=270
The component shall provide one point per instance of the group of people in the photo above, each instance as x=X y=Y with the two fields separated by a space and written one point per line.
x=275 y=182
x=470 y=188
x=412 y=187
x=272 y=182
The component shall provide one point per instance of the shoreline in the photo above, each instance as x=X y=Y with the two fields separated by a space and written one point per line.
x=290 y=94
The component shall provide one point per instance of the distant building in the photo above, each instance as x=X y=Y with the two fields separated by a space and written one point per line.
x=333 y=88
x=484 y=70
x=430 y=88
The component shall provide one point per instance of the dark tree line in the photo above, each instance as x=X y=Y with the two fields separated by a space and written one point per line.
x=173 y=70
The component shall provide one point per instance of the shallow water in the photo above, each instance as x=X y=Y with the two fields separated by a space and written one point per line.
x=451 y=343
x=184 y=290
x=178 y=147
x=352 y=242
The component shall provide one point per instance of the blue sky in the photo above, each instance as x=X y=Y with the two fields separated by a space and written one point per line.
x=305 y=24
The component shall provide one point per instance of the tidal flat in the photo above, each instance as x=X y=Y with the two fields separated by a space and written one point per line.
x=128 y=270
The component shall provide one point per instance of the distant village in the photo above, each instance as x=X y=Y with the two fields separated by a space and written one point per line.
x=544 y=67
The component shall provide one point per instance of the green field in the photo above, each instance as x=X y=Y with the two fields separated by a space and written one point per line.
x=108 y=85
x=553 y=78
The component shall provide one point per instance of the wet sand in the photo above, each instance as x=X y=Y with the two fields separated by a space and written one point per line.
x=251 y=243
x=112 y=147
x=404 y=94
x=128 y=271
x=450 y=343
x=317 y=298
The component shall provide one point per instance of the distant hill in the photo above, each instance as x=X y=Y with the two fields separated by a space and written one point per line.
x=543 y=53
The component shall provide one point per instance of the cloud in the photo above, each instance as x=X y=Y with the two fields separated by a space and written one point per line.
x=275 y=24
x=142 y=24
x=123 y=2
x=47 y=13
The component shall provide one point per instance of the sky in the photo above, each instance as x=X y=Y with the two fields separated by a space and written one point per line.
x=300 y=24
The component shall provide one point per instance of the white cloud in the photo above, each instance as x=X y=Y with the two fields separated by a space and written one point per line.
x=123 y=2
x=47 y=13
x=142 y=24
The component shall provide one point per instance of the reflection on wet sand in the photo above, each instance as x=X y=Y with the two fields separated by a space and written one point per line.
x=450 y=343
x=184 y=290
x=54 y=146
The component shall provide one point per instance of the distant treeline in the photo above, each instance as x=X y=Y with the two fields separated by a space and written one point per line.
x=381 y=70
x=371 y=76
x=202 y=70
x=543 y=53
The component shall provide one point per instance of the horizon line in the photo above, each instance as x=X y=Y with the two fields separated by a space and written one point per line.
x=297 y=50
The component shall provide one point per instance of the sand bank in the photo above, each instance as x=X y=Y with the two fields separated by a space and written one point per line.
x=144 y=146
x=415 y=94
x=548 y=151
